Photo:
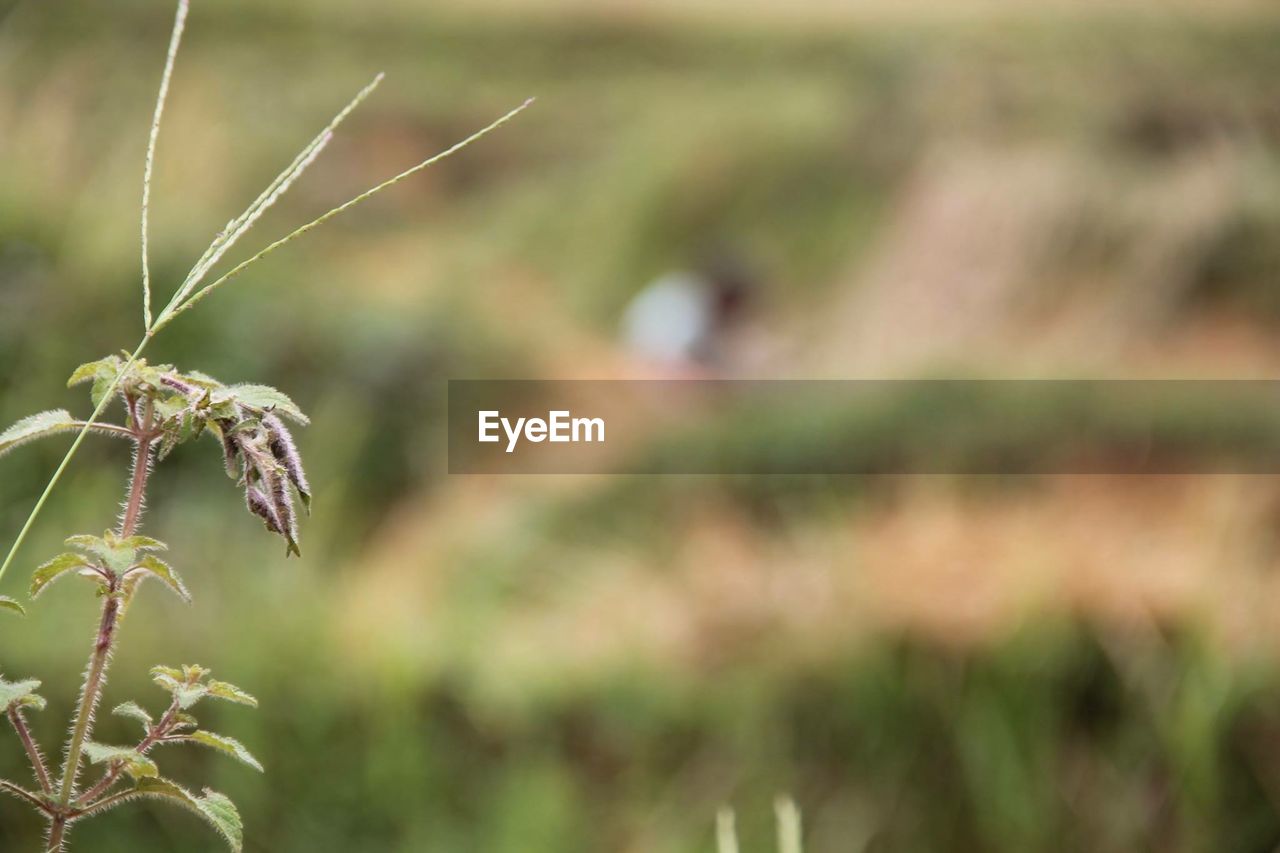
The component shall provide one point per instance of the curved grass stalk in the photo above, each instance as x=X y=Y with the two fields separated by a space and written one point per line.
x=179 y=24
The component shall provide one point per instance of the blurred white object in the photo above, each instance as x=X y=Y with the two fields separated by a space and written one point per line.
x=671 y=320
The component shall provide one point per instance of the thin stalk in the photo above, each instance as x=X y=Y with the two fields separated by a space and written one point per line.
x=179 y=24
x=23 y=793
x=138 y=482
x=107 y=803
x=101 y=656
x=33 y=751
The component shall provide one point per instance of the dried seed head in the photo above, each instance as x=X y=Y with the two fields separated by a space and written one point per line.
x=261 y=507
x=230 y=452
x=280 y=440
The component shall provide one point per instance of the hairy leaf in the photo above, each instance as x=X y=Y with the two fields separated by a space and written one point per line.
x=54 y=569
x=231 y=693
x=193 y=672
x=162 y=570
x=183 y=722
x=268 y=399
x=36 y=426
x=169 y=671
x=7 y=603
x=186 y=694
x=20 y=693
x=134 y=711
x=215 y=808
x=120 y=555
x=228 y=745
x=93 y=370
x=202 y=380
x=135 y=763
x=143 y=543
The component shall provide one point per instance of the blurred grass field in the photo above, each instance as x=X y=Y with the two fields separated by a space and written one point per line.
x=560 y=664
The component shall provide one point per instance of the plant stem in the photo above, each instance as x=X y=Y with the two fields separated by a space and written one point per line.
x=101 y=656
x=33 y=751
x=158 y=731
x=24 y=794
x=137 y=487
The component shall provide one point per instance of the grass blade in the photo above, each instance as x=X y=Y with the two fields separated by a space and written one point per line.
x=240 y=226
x=168 y=315
x=179 y=25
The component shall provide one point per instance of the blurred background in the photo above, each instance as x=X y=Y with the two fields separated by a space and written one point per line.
x=783 y=188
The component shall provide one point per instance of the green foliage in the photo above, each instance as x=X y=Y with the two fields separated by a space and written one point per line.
x=134 y=763
x=215 y=808
x=134 y=711
x=7 y=603
x=104 y=374
x=56 y=568
x=150 y=566
x=117 y=564
x=115 y=553
x=222 y=743
x=36 y=426
x=263 y=398
x=231 y=693
x=21 y=694
x=190 y=684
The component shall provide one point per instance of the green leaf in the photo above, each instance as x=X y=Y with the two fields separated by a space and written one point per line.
x=135 y=763
x=143 y=543
x=170 y=407
x=162 y=570
x=118 y=554
x=54 y=569
x=36 y=426
x=20 y=693
x=231 y=693
x=90 y=371
x=101 y=387
x=227 y=745
x=215 y=808
x=268 y=399
x=136 y=712
x=85 y=542
x=182 y=721
x=7 y=603
x=186 y=694
x=204 y=380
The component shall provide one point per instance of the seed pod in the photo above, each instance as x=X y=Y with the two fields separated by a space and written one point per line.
x=230 y=449
x=271 y=476
x=261 y=507
x=280 y=440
